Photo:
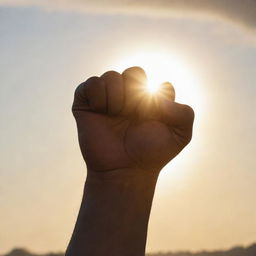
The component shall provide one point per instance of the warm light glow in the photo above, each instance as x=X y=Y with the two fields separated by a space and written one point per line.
x=163 y=66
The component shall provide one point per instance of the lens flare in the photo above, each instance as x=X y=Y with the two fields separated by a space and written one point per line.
x=164 y=66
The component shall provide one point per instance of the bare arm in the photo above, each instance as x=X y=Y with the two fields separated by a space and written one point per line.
x=126 y=137
x=114 y=214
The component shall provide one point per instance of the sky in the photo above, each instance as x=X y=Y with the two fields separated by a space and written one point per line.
x=205 y=197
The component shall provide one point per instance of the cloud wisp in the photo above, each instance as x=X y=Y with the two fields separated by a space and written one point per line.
x=242 y=12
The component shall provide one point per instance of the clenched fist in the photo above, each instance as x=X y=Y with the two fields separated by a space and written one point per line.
x=121 y=125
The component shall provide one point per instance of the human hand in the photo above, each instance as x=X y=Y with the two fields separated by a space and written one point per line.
x=121 y=125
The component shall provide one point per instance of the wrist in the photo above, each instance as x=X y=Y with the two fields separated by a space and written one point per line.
x=115 y=212
x=124 y=175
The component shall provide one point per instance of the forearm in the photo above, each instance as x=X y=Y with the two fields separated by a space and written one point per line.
x=114 y=214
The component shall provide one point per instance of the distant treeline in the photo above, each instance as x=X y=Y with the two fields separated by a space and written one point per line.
x=236 y=251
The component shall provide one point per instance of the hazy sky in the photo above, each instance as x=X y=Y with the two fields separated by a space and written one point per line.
x=205 y=198
x=239 y=11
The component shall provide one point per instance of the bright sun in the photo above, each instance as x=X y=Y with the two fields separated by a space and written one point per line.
x=162 y=67
x=165 y=66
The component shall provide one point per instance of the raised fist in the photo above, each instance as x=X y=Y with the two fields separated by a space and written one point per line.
x=121 y=125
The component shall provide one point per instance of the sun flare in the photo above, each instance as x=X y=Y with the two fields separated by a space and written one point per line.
x=165 y=66
x=162 y=67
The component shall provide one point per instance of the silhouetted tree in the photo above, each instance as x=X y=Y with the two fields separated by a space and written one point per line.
x=235 y=251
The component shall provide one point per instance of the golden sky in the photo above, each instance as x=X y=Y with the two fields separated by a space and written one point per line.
x=204 y=198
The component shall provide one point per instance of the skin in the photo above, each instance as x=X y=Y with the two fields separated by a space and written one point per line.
x=126 y=137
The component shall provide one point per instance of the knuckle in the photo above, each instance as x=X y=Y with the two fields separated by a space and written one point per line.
x=110 y=74
x=189 y=112
x=81 y=93
x=135 y=74
x=134 y=69
x=91 y=81
x=81 y=88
